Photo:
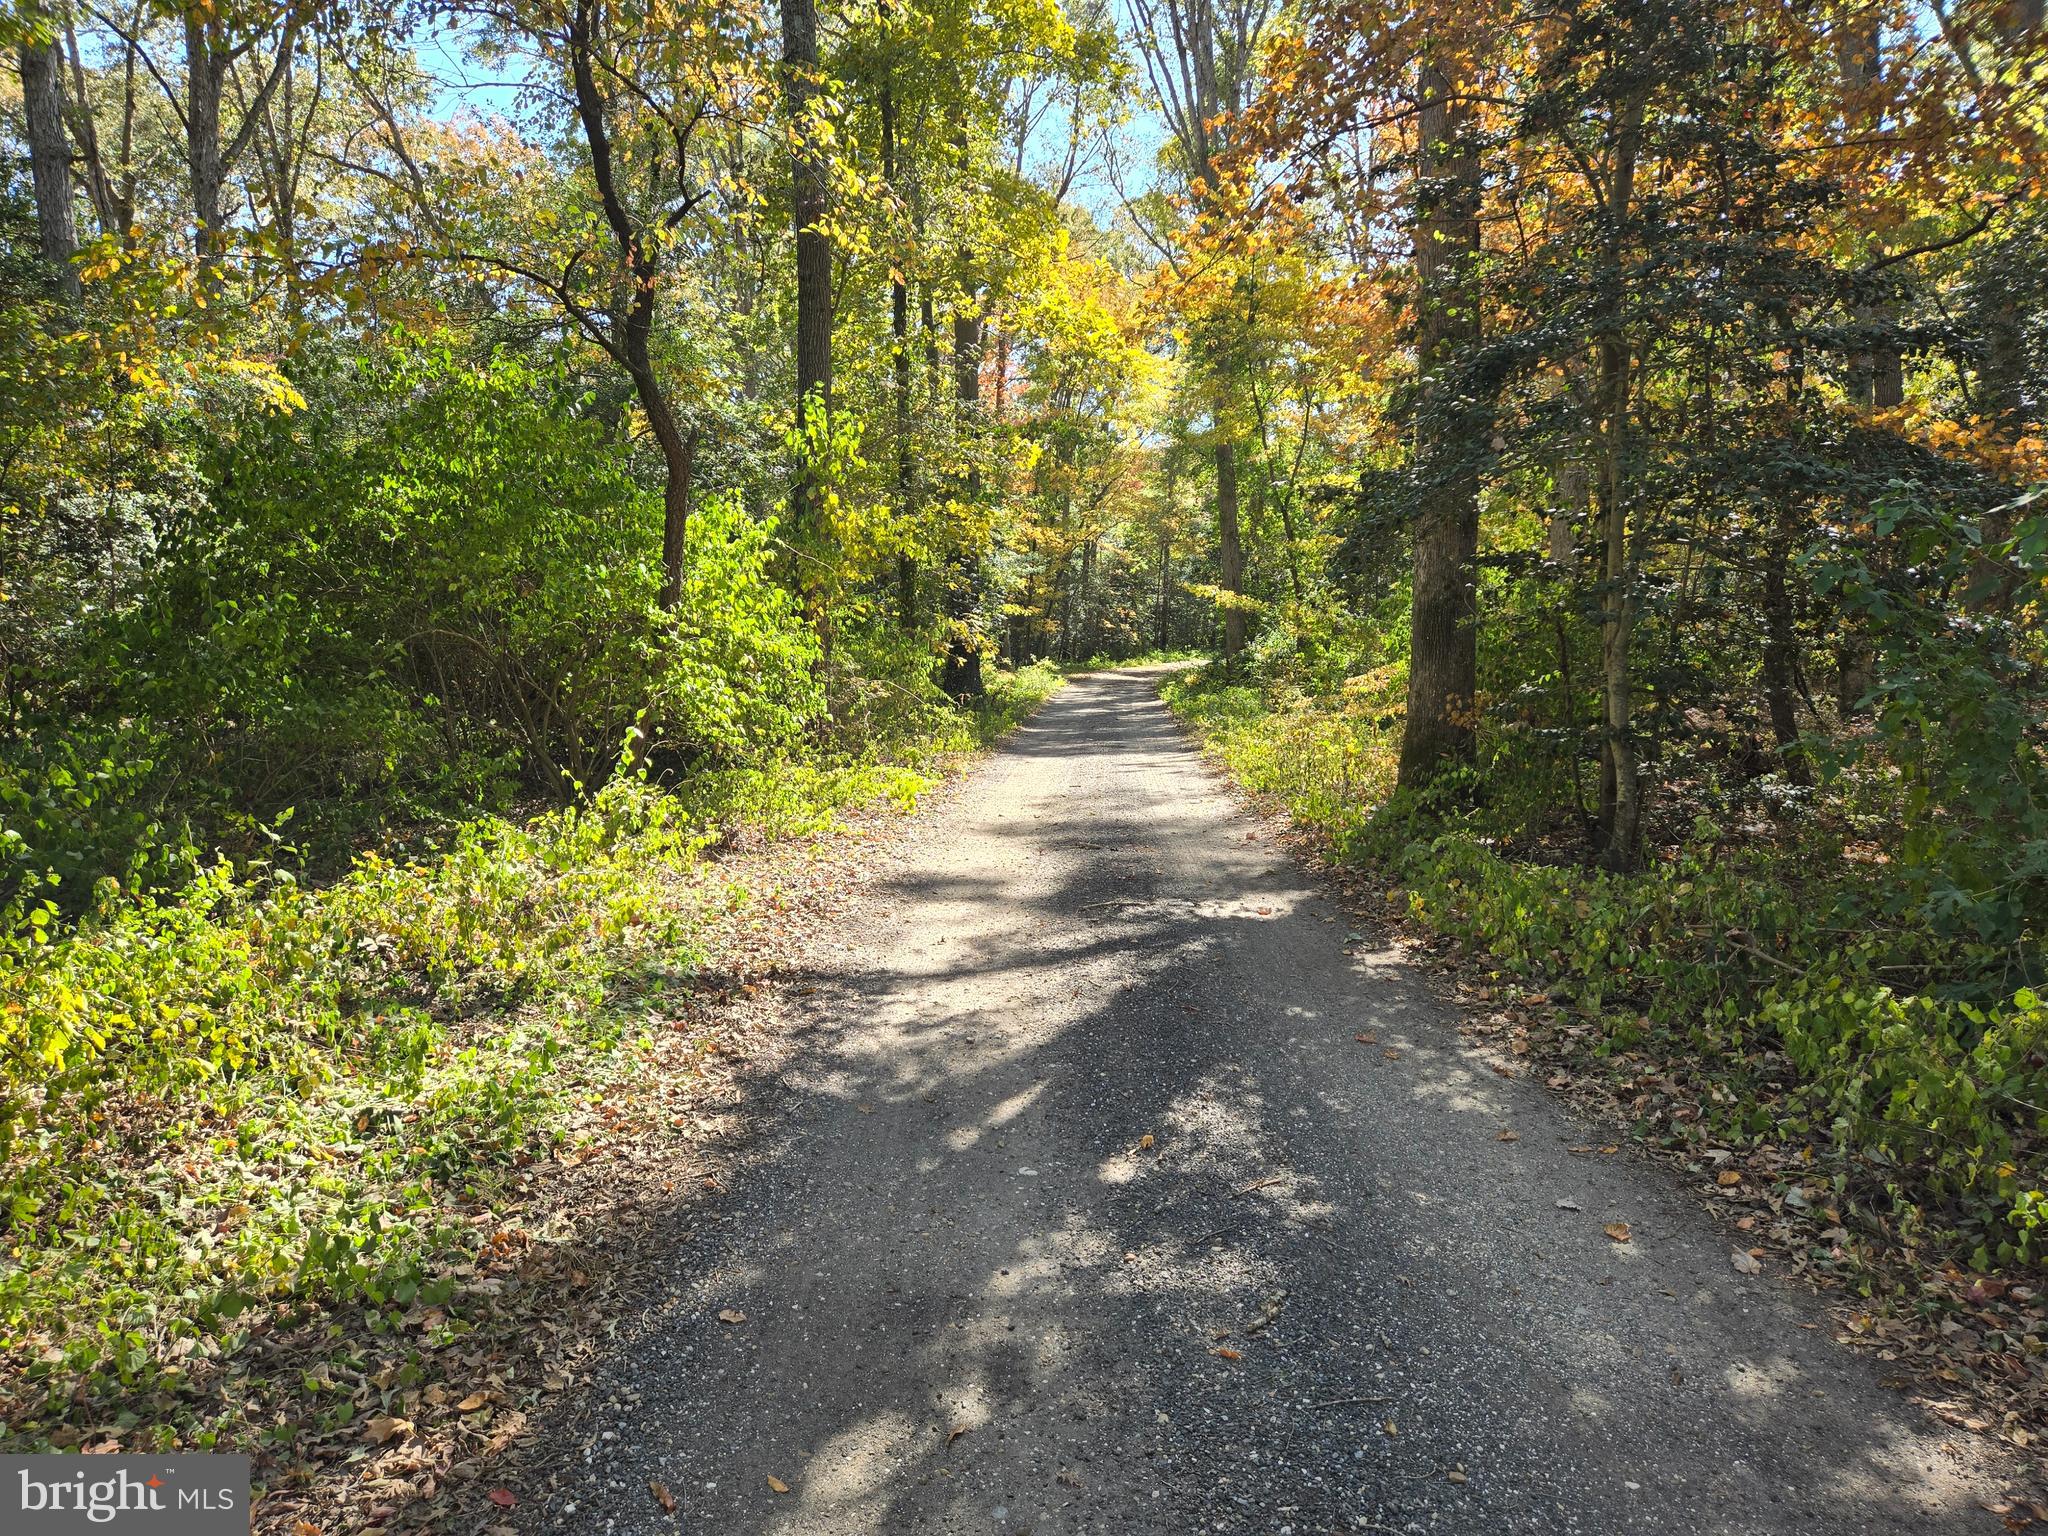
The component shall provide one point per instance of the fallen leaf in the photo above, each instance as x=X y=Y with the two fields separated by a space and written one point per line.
x=1508 y=1136
x=1224 y=1351
x=958 y=1431
x=1390 y=1428
x=1617 y=1231
x=474 y=1401
x=1391 y=1055
x=383 y=1428
x=1745 y=1263
x=504 y=1498
x=1145 y=1142
x=777 y=1485
x=730 y=1316
x=1569 y=1204
x=662 y=1496
x=1728 y=1178
x=1367 y=1039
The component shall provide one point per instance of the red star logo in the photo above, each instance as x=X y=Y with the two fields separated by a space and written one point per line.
x=155 y=1481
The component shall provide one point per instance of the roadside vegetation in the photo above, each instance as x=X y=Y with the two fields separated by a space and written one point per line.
x=254 y=1103
x=1854 y=1066
x=463 y=466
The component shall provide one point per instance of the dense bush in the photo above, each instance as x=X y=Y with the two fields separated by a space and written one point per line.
x=431 y=588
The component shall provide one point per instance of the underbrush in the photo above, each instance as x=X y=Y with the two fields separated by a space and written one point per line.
x=1777 y=985
x=254 y=1103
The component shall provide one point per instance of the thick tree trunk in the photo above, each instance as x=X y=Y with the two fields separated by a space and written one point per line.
x=679 y=464
x=206 y=167
x=1440 y=730
x=1230 y=549
x=49 y=162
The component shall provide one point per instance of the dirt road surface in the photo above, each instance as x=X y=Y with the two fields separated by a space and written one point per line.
x=1082 y=1208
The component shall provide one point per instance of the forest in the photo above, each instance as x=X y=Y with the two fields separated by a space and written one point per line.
x=470 y=468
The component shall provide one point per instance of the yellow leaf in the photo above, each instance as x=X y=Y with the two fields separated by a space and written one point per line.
x=777 y=1485
x=1617 y=1231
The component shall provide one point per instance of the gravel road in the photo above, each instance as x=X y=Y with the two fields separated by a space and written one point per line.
x=1081 y=1208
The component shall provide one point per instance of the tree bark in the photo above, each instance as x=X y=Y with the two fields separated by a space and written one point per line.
x=209 y=156
x=1440 y=730
x=636 y=328
x=800 y=86
x=1569 y=506
x=206 y=168
x=49 y=158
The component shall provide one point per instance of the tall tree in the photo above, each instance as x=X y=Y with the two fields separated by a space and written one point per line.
x=1443 y=667
x=49 y=153
x=803 y=100
x=1199 y=56
x=640 y=242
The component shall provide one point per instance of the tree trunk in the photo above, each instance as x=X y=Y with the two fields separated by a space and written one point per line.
x=1165 y=582
x=636 y=329
x=1230 y=549
x=800 y=85
x=962 y=679
x=1084 y=629
x=899 y=364
x=1780 y=667
x=49 y=160
x=204 y=163
x=679 y=463
x=1440 y=730
x=1568 y=508
x=1621 y=809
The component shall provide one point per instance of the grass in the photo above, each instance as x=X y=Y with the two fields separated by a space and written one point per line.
x=258 y=1108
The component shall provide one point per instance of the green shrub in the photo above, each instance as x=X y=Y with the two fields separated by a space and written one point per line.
x=1731 y=966
x=427 y=592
